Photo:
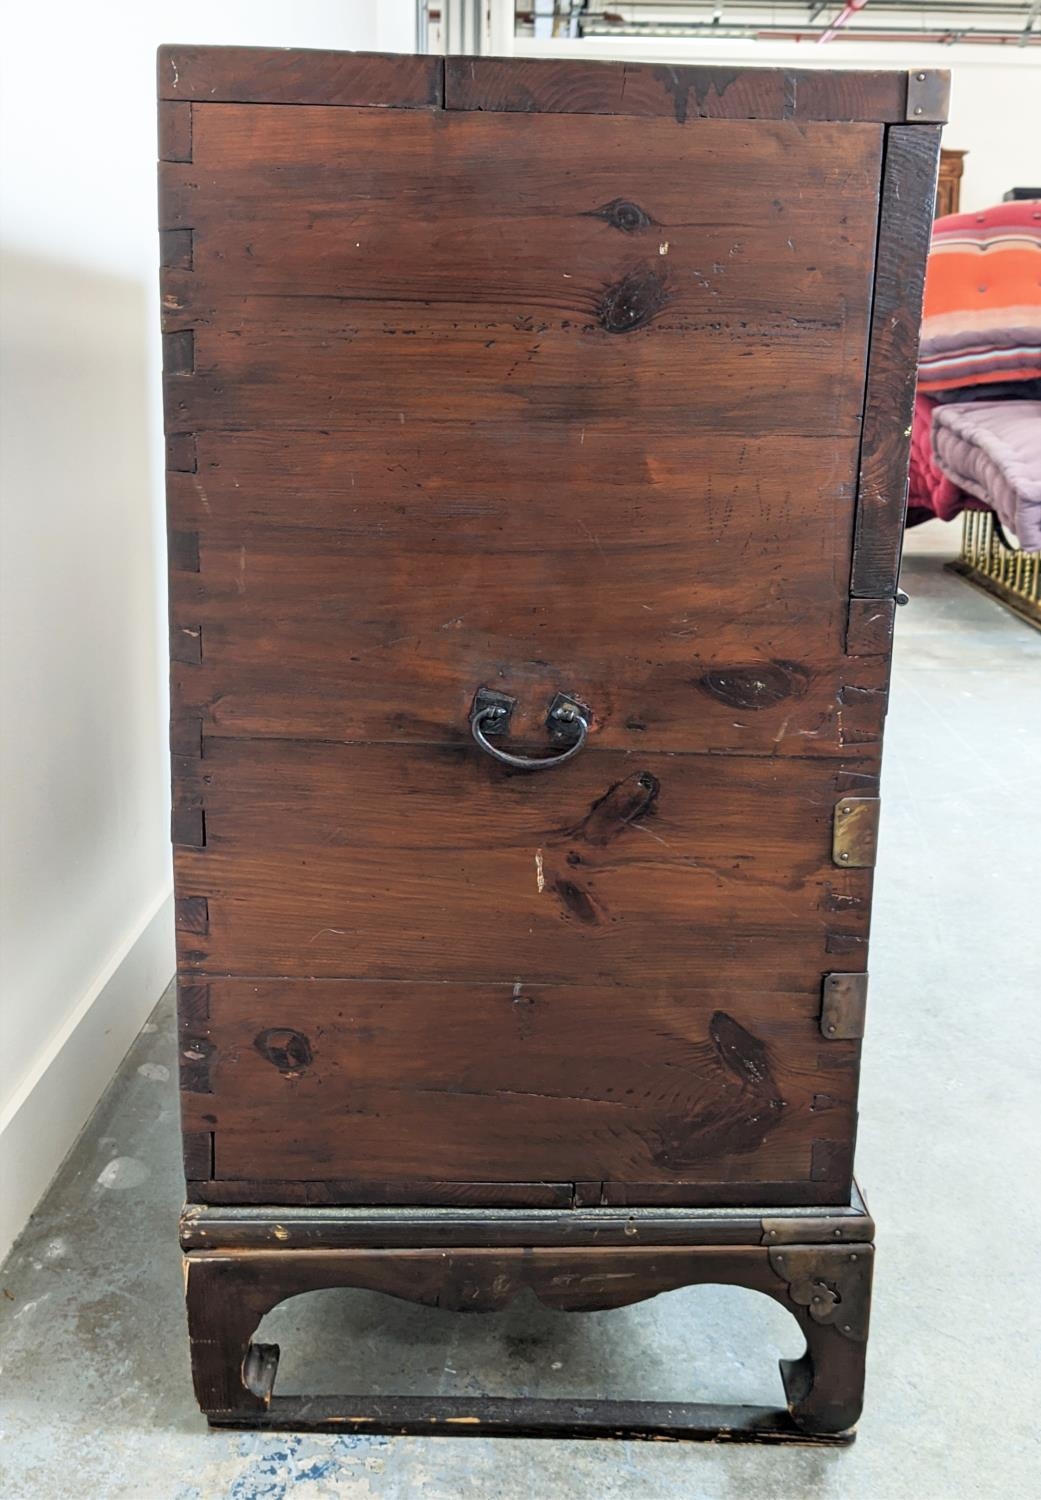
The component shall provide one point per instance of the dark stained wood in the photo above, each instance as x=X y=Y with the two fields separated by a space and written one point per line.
x=186 y=643
x=700 y=491
x=312 y=1191
x=197 y=1153
x=205 y=1226
x=530 y=1417
x=908 y=189
x=862 y=712
x=183 y=551
x=176 y=249
x=832 y=1161
x=539 y=378
x=179 y=352
x=802 y=1192
x=825 y=1287
x=312 y=218
x=261 y=75
x=180 y=452
x=360 y=591
x=276 y=372
x=527 y=299
x=385 y=633
x=186 y=740
x=560 y=396
x=685 y=94
x=187 y=821
x=428 y=1194
x=315 y=853
x=192 y=915
x=447 y=1082
x=175 y=132
x=869 y=627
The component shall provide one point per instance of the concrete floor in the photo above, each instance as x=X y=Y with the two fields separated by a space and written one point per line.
x=95 y=1388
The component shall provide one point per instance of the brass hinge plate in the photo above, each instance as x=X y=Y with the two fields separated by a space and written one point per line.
x=843 y=1006
x=855 y=832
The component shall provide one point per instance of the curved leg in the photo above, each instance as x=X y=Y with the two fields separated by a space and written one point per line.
x=229 y=1371
x=829 y=1291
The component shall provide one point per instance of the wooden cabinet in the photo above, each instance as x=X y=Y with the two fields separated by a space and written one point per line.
x=537 y=451
x=948 y=182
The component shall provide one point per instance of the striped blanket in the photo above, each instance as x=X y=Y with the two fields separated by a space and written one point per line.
x=982 y=317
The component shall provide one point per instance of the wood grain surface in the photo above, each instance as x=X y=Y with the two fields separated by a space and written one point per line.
x=341 y=1080
x=531 y=297
x=383 y=625
x=909 y=185
x=264 y=75
x=682 y=93
x=538 y=379
x=423 y=861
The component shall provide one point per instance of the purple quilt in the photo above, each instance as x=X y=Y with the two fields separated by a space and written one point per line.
x=992 y=449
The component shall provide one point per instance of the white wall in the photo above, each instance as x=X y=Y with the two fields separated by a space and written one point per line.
x=995 y=91
x=85 y=911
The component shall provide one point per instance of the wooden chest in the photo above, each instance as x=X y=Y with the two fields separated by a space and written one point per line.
x=537 y=439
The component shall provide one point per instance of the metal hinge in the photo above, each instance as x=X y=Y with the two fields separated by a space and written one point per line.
x=843 y=1006
x=854 y=840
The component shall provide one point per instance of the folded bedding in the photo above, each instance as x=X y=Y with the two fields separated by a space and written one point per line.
x=981 y=322
x=992 y=450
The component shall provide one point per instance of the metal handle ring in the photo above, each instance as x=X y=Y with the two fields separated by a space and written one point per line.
x=565 y=713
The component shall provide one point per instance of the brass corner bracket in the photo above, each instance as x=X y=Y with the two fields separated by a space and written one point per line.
x=843 y=1006
x=855 y=832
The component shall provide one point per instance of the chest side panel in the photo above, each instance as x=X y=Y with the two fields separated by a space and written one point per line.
x=459 y=398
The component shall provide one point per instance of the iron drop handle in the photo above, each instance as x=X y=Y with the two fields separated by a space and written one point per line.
x=566 y=719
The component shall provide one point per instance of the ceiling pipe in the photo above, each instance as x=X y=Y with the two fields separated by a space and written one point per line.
x=749 y=31
x=848 y=10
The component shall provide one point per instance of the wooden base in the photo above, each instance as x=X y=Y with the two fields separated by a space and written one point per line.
x=241 y=1262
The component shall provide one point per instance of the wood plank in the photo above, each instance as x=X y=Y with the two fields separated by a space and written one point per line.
x=685 y=94
x=529 y=1417
x=386 y=1193
x=702 y=492
x=455 y=1082
x=328 y=244
x=427 y=1196
x=908 y=195
x=356 y=203
x=384 y=628
x=575 y=158
x=336 y=861
x=282 y=366
x=703 y=274
x=265 y=75
x=803 y=1194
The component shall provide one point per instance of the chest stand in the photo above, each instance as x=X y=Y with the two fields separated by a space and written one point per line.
x=241 y=1262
